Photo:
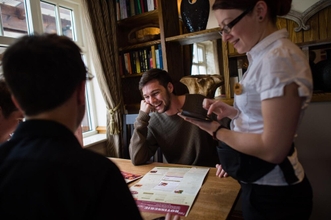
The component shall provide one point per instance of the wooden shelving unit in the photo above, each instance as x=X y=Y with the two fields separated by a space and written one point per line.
x=166 y=18
x=199 y=36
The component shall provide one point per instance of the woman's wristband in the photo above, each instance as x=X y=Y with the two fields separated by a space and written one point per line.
x=215 y=132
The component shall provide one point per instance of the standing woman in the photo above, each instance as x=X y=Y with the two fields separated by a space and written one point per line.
x=269 y=103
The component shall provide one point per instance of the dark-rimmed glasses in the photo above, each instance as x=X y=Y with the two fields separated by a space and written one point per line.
x=227 y=28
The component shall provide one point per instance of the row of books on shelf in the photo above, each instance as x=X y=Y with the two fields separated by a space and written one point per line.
x=141 y=60
x=128 y=8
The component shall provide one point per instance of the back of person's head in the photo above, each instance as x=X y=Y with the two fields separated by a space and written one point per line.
x=276 y=7
x=6 y=104
x=155 y=74
x=42 y=71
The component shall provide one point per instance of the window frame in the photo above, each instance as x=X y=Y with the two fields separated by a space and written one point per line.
x=199 y=63
x=35 y=25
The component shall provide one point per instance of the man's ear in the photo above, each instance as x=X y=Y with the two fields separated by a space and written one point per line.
x=170 y=87
x=16 y=103
x=81 y=93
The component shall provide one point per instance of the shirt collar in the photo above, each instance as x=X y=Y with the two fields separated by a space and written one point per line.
x=43 y=128
x=264 y=43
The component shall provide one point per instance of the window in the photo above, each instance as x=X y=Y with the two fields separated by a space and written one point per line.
x=57 y=20
x=20 y=17
x=199 y=65
x=13 y=19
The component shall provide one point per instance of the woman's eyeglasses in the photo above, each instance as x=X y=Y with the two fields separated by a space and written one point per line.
x=227 y=28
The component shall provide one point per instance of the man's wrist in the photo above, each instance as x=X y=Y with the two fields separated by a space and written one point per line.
x=215 y=132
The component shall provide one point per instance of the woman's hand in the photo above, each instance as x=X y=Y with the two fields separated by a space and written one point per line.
x=220 y=108
x=208 y=126
x=220 y=172
x=172 y=217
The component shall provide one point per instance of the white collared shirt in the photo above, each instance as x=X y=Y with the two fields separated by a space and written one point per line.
x=273 y=63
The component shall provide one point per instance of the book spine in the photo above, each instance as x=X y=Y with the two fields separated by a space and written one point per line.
x=137 y=61
x=150 y=5
x=133 y=62
x=150 y=59
x=145 y=6
x=118 y=10
x=157 y=58
x=161 y=56
x=142 y=7
x=127 y=64
x=141 y=58
x=153 y=56
x=138 y=7
x=132 y=8
x=128 y=8
x=124 y=13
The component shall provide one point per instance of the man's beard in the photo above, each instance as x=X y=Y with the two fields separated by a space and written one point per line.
x=167 y=103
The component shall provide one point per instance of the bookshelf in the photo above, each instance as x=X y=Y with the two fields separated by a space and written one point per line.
x=164 y=16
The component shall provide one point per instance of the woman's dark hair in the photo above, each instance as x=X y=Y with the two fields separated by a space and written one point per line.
x=6 y=104
x=275 y=7
x=160 y=75
x=43 y=71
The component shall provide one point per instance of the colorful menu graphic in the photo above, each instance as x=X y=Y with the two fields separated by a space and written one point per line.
x=169 y=189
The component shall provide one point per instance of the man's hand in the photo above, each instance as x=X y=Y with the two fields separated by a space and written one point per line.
x=220 y=172
x=146 y=107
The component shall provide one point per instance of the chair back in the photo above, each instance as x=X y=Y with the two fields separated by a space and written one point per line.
x=127 y=131
x=128 y=127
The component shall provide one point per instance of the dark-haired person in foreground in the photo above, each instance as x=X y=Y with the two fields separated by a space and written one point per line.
x=44 y=172
x=269 y=104
x=10 y=116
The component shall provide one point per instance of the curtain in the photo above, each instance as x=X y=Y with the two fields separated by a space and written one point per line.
x=188 y=59
x=100 y=23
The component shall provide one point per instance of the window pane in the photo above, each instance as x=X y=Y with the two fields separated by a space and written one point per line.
x=48 y=14
x=202 y=70
x=200 y=55
x=13 y=18
x=195 y=54
x=195 y=70
x=86 y=122
x=67 y=23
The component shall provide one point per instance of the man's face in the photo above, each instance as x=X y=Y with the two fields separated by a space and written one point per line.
x=157 y=96
x=81 y=114
x=81 y=105
x=9 y=124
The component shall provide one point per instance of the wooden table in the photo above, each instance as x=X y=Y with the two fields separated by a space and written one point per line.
x=214 y=200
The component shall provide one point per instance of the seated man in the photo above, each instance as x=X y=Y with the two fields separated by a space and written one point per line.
x=159 y=126
x=44 y=171
x=10 y=116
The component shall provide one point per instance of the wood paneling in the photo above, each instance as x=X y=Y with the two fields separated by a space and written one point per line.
x=320 y=29
x=325 y=24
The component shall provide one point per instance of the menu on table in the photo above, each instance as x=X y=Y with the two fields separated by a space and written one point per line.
x=169 y=189
x=129 y=177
